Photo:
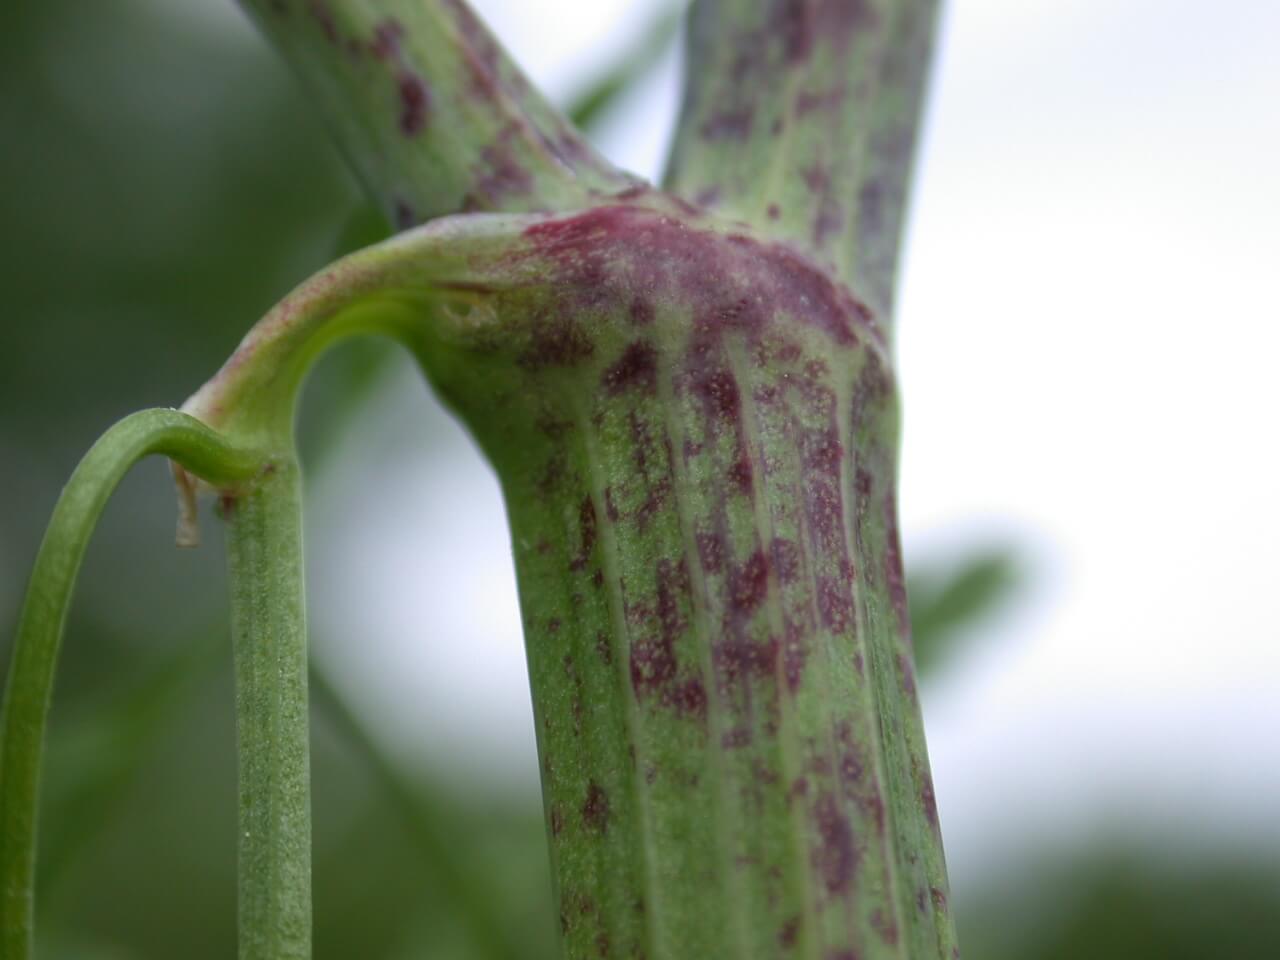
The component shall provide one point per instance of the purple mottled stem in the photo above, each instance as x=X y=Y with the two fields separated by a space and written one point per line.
x=800 y=117
x=696 y=432
x=430 y=110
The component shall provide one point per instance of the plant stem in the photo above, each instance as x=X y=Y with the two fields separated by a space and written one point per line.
x=29 y=689
x=264 y=551
x=800 y=118
x=430 y=110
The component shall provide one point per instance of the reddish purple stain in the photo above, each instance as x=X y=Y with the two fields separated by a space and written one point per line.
x=835 y=604
x=893 y=566
x=595 y=809
x=809 y=101
x=719 y=392
x=710 y=552
x=656 y=494
x=637 y=368
x=788 y=934
x=750 y=584
x=611 y=249
x=850 y=769
x=641 y=312
x=414 y=103
x=708 y=196
x=835 y=858
x=740 y=474
x=323 y=15
x=829 y=220
x=794 y=656
x=688 y=698
x=736 y=738
x=908 y=676
x=816 y=177
x=479 y=50
x=930 y=801
x=404 y=215
x=821 y=450
x=603 y=649
x=501 y=174
x=773 y=211
x=586 y=533
x=740 y=658
x=732 y=124
x=556 y=343
x=785 y=557
x=884 y=926
x=653 y=659
x=386 y=39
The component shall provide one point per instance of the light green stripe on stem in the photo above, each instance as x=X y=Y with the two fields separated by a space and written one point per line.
x=264 y=553
x=29 y=689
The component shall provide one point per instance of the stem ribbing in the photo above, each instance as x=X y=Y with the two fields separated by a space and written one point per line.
x=268 y=620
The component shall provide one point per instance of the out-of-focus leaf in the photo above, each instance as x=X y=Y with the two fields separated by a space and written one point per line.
x=947 y=600
x=1111 y=903
x=97 y=753
x=594 y=102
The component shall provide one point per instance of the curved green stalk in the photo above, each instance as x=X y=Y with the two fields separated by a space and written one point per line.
x=29 y=688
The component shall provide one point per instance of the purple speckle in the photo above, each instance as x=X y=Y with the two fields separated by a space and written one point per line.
x=414 y=102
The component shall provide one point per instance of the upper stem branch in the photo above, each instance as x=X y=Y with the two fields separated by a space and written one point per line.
x=431 y=112
x=800 y=117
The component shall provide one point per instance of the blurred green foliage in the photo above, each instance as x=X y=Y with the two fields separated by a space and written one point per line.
x=948 y=599
x=148 y=215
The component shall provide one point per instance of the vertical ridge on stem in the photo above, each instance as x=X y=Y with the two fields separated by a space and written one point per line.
x=264 y=552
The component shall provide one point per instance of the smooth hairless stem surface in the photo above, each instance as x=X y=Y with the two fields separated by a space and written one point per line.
x=29 y=689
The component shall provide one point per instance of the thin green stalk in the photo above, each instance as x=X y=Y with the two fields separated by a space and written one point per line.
x=29 y=689
x=264 y=552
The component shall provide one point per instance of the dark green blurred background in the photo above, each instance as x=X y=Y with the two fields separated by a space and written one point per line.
x=162 y=182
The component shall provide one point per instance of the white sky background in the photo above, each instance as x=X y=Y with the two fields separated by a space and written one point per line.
x=1088 y=339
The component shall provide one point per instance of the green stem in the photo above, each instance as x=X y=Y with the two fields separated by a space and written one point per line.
x=801 y=119
x=264 y=550
x=29 y=689
x=430 y=110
